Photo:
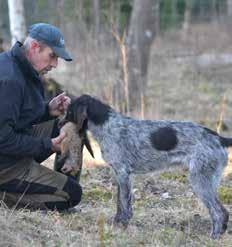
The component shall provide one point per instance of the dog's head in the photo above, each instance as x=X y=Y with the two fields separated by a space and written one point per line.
x=77 y=113
x=87 y=108
x=83 y=109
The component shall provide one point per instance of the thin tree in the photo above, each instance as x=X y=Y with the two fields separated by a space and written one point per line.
x=187 y=19
x=60 y=13
x=229 y=7
x=96 y=18
x=17 y=20
x=140 y=37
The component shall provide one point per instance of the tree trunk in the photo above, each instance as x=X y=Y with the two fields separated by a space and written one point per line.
x=140 y=37
x=96 y=18
x=79 y=8
x=81 y=27
x=187 y=20
x=60 y=14
x=1 y=21
x=229 y=7
x=213 y=11
x=174 y=12
x=17 y=20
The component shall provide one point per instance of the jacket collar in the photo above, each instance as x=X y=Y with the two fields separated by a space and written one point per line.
x=18 y=53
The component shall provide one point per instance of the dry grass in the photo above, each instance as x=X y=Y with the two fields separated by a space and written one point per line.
x=166 y=212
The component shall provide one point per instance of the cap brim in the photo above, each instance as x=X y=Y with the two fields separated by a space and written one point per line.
x=61 y=52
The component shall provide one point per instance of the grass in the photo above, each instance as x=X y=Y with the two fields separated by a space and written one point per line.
x=180 y=177
x=177 y=220
x=225 y=194
x=97 y=193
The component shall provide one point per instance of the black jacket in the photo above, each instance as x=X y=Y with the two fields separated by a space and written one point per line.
x=21 y=106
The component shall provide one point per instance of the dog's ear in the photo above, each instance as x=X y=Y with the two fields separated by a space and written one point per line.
x=86 y=142
x=80 y=115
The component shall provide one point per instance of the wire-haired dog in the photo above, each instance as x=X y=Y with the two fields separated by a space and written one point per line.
x=135 y=146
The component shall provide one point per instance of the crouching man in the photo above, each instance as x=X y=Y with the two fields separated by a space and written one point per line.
x=28 y=129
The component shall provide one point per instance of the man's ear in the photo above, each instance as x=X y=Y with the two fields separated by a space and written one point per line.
x=34 y=44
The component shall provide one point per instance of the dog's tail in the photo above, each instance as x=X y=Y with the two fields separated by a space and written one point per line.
x=226 y=142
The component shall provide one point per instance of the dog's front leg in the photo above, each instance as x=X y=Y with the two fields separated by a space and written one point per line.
x=124 y=207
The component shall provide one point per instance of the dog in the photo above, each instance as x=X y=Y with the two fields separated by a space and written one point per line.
x=133 y=146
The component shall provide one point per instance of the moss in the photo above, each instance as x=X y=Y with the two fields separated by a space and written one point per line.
x=105 y=234
x=225 y=194
x=167 y=236
x=97 y=194
x=179 y=177
x=147 y=202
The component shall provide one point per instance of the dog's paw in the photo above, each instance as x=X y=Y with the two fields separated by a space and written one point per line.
x=121 y=222
x=220 y=226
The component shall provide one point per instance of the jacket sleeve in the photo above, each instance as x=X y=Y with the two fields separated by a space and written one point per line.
x=11 y=142
x=46 y=116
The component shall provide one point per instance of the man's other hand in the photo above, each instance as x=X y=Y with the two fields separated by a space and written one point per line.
x=58 y=105
x=66 y=168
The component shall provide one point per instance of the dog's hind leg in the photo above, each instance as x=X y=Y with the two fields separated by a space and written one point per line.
x=204 y=179
x=124 y=196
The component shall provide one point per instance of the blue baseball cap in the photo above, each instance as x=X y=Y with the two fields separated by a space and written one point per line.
x=51 y=36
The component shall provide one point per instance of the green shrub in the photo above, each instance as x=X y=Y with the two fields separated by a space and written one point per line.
x=97 y=194
x=225 y=194
x=179 y=177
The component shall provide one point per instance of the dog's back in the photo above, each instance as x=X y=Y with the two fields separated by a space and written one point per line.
x=146 y=145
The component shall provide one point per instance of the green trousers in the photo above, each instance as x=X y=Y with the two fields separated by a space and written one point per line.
x=30 y=185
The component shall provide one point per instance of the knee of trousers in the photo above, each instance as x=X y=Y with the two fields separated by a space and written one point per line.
x=74 y=191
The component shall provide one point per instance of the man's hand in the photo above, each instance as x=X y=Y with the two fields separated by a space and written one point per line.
x=58 y=105
x=56 y=142
x=66 y=168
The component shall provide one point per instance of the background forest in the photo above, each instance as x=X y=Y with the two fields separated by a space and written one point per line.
x=153 y=59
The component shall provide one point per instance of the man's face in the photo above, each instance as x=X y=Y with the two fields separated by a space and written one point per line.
x=42 y=58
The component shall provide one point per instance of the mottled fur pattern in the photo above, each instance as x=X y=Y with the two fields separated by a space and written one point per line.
x=71 y=147
x=133 y=146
